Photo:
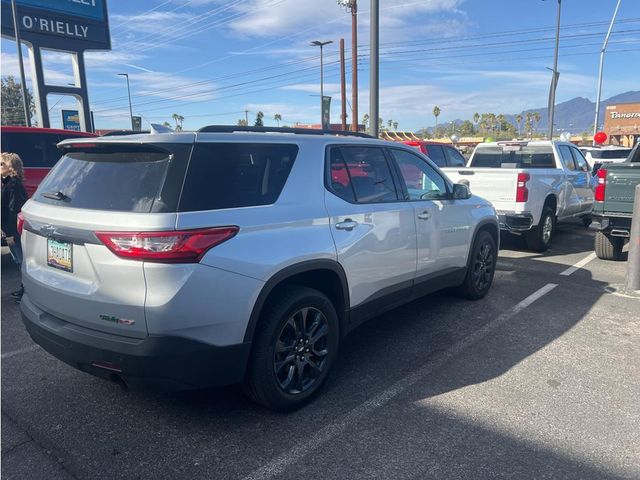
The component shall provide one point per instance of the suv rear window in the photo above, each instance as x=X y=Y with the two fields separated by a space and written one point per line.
x=514 y=157
x=229 y=175
x=610 y=154
x=123 y=179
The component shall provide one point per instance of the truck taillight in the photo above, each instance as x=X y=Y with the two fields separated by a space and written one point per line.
x=20 y=224
x=179 y=246
x=601 y=185
x=522 y=192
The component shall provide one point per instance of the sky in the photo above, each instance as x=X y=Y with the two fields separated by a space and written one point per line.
x=210 y=60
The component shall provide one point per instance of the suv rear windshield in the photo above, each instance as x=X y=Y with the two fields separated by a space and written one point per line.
x=124 y=179
x=514 y=157
x=229 y=175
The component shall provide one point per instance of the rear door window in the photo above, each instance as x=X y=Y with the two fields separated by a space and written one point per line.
x=361 y=175
x=567 y=158
x=230 y=175
x=37 y=150
x=581 y=162
x=454 y=158
x=123 y=179
x=435 y=153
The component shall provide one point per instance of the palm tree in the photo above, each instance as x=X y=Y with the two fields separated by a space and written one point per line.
x=390 y=123
x=178 y=119
x=519 y=122
x=365 y=121
x=277 y=117
x=436 y=113
x=259 y=122
x=395 y=125
x=476 y=118
x=536 y=118
x=527 y=123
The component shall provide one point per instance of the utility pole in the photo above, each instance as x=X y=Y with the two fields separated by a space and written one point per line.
x=246 y=116
x=375 y=74
x=604 y=47
x=25 y=101
x=317 y=43
x=554 y=79
x=352 y=5
x=126 y=75
x=343 y=87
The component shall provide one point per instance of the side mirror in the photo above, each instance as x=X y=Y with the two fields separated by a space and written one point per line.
x=461 y=191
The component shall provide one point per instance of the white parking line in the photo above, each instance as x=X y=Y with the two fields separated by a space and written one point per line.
x=20 y=351
x=579 y=265
x=278 y=465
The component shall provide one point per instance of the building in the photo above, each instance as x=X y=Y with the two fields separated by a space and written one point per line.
x=622 y=124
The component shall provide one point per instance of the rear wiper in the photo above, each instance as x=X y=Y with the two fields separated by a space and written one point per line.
x=56 y=196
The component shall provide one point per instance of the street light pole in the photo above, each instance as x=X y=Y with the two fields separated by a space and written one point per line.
x=126 y=75
x=374 y=68
x=317 y=43
x=604 y=47
x=554 y=79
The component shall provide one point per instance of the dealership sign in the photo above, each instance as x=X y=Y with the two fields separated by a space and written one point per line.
x=62 y=24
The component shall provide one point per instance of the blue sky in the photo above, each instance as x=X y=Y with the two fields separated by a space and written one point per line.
x=209 y=60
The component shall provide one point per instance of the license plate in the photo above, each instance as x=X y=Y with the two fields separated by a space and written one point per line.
x=60 y=255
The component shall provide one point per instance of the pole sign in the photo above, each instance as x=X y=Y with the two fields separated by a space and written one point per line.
x=73 y=25
x=71 y=120
x=326 y=113
x=136 y=123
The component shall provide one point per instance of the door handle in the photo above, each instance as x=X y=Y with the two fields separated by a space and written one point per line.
x=426 y=215
x=347 y=225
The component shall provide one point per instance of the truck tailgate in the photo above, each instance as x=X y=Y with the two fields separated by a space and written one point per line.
x=498 y=185
x=621 y=183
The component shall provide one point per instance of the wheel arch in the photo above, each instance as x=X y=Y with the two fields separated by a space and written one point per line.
x=551 y=201
x=326 y=276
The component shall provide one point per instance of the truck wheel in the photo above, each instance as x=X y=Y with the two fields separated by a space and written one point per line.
x=608 y=247
x=294 y=347
x=482 y=266
x=539 y=238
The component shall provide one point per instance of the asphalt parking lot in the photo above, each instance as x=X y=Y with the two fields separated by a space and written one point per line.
x=541 y=379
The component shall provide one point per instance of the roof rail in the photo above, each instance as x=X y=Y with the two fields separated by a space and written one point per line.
x=299 y=131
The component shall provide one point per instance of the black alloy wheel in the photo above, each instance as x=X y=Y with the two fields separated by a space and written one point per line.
x=301 y=350
x=483 y=266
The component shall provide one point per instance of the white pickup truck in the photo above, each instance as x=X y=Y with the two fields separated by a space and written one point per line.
x=532 y=185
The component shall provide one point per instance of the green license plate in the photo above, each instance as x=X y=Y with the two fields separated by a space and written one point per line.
x=60 y=255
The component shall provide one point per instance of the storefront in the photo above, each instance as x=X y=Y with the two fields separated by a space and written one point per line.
x=622 y=124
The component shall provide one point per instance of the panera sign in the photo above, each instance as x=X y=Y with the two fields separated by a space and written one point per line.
x=624 y=114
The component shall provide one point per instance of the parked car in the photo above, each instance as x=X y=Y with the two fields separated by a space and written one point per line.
x=613 y=206
x=597 y=156
x=441 y=154
x=532 y=185
x=147 y=262
x=37 y=149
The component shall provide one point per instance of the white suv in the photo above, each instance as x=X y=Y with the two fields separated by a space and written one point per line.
x=236 y=254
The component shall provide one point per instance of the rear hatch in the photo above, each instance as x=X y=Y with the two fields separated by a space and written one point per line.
x=621 y=183
x=103 y=187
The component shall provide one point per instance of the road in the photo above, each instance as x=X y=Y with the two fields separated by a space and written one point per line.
x=541 y=379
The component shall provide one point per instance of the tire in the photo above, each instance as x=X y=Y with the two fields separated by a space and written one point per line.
x=481 y=268
x=608 y=247
x=273 y=378
x=539 y=238
x=586 y=220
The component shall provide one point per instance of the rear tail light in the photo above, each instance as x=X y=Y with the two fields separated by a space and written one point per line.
x=601 y=185
x=522 y=192
x=180 y=246
x=20 y=223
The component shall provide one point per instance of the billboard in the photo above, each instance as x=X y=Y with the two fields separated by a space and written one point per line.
x=71 y=120
x=72 y=25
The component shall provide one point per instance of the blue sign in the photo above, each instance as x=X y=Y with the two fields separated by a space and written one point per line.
x=70 y=25
x=71 y=120
x=80 y=8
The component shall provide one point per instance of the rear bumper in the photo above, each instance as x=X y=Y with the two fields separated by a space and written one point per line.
x=158 y=362
x=515 y=222
x=605 y=223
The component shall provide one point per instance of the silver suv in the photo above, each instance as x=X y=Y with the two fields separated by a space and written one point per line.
x=236 y=254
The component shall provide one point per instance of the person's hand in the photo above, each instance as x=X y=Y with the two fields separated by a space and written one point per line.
x=10 y=241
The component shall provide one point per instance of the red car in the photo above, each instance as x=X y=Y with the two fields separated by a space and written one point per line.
x=37 y=149
x=441 y=154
